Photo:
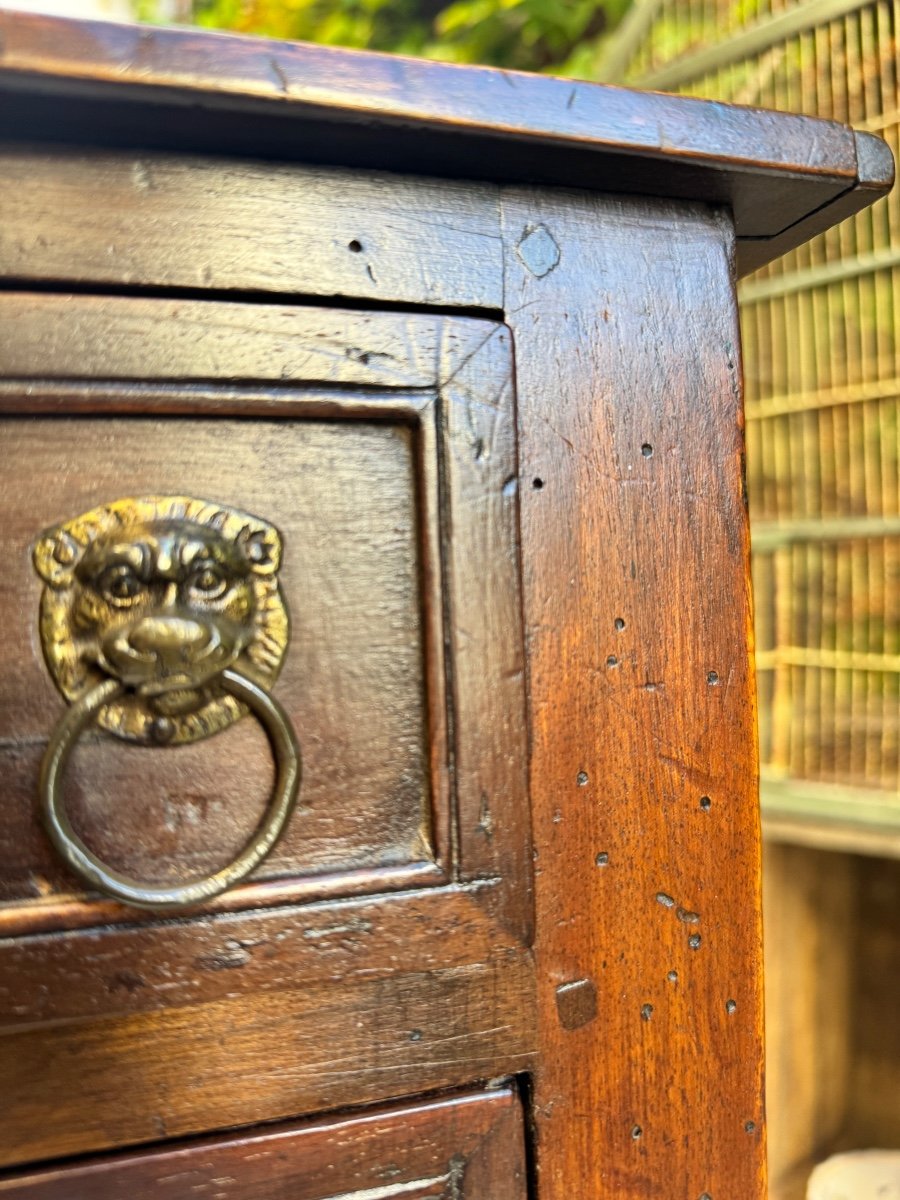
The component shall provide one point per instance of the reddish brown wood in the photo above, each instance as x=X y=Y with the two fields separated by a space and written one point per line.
x=365 y=1024
x=143 y=968
x=462 y=1148
x=635 y=552
x=773 y=171
x=486 y=628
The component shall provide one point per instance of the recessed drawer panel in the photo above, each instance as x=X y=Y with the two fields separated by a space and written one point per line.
x=372 y=453
x=463 y=1148
x=344 y=498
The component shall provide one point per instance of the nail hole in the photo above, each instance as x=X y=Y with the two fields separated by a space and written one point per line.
x=694 y=941
x=416 y=1035
x=636 y=1132
x=705 y=1196
x=712 y=678
x=730 y=1006
x=602 y=859
x=672 y=976
x=705 y=803
x=582 y=778
x=646 y=1012
x=619 y=624
x=612 y=661
x=354 y=246
x=537 y=484
x=646 y=449
x=750 y=1126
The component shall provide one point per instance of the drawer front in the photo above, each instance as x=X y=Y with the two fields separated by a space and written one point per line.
x=344 y=436
x=465 y=1148
x=364 y=466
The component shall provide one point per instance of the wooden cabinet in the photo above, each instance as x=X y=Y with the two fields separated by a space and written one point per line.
x=378 y=425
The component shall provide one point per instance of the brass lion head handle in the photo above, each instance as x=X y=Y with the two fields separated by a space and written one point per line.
x=162 y=621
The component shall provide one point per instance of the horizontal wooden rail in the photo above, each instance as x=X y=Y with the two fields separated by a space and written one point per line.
x=758 y=290
x=826 y=660
x=750 y=41
x=830 y=816
x=771 y=536
x=795 y=402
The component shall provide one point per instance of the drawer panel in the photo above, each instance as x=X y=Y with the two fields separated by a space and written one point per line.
x=353 y=682
x=365 y=440
x=462 y=1148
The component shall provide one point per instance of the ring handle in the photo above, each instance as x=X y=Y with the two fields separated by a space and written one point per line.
x=131 y=891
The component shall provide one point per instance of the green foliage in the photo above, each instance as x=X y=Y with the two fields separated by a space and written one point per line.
x=536 y=35
x=531 y=35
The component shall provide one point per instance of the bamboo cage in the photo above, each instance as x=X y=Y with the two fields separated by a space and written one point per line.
x=822 y=363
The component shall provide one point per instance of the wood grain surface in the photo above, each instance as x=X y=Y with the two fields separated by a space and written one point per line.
x=780 y=174
x=354 y=689
x=643 y=761
x=467 y=1147
x=490 y=757
x=331 y=419
x=305 y=472
x=169 y=220
x=248 y=1057
x=627 y=993
x=128 y=1035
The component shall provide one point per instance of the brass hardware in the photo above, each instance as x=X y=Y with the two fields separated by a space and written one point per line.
x=131 y=891
x=162 y=620
x=162 y=593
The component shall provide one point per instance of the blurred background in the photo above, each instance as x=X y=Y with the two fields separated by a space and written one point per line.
x=822 y=365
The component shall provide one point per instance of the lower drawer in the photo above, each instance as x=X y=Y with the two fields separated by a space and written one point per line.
x=468 y=1147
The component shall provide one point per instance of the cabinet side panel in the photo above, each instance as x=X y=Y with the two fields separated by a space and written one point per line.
x=643 y=762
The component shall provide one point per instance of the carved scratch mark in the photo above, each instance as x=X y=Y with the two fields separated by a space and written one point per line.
x=281 y=79
x=485 y=820
x=443 y=379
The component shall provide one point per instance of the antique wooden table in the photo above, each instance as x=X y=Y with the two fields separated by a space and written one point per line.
x=377 y=713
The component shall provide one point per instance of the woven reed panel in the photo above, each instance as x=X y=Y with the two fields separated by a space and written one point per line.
x=822 y=363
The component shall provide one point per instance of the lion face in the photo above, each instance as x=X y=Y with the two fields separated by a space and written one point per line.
x=162 y=594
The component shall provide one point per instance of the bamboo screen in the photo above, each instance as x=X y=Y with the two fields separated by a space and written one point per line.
x=822 y=364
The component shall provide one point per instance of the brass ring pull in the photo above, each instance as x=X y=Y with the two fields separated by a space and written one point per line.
x=163 y=623
x=131 y=891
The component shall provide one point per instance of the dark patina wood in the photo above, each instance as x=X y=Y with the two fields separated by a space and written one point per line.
x=226 y=267
x=341 y=414
x=462 y=1148
x=316 y=231
x=780 y=175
